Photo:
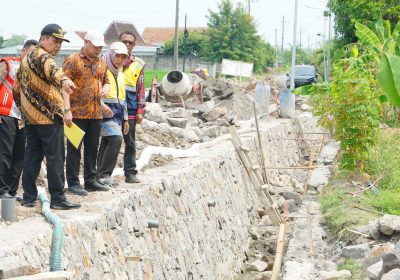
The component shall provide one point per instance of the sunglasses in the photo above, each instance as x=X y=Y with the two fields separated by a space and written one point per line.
x=128 y=42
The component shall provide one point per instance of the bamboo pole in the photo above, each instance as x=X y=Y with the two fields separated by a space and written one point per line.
x=310 y=235
x=264 y=171
x=279 y=250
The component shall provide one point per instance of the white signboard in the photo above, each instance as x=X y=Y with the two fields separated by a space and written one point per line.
x=237 y=68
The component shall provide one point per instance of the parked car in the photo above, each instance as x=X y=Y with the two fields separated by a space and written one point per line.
x=303 y=75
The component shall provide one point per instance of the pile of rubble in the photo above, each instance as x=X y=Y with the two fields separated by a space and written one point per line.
x=199 y=118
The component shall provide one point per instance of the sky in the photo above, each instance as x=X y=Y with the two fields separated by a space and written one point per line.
x=30 y=16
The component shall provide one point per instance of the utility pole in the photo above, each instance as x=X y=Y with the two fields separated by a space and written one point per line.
x=276 y=49
x=294 y=45
x=185 y=36
x=176 y=48
x=283 y=36
x=323 y=46
x=300 y=35
x=329 y=43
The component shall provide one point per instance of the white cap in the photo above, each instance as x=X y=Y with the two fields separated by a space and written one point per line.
x=96 y=38
x=119 y=48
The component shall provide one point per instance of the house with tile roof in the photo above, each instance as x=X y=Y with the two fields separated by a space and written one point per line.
x=159 y=35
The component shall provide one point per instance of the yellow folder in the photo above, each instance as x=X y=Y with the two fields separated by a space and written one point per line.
x=74 y=134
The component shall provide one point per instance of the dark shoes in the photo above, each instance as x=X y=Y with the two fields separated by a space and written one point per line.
x=131 y=178
x=28 y=204
x=77 y=190
x=64 y=205
x=108 y=181
x=95 y=185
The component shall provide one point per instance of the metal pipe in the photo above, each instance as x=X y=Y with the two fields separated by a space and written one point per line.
x=8 y=212
x=58 y=233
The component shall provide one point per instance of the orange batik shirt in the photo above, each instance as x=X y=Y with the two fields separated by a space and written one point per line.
x=89 y=76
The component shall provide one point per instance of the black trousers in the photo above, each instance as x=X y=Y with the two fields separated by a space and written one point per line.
x=130 y=150
x=44 y=141
x=12 y=149
x=91 y=142
x=108 y=155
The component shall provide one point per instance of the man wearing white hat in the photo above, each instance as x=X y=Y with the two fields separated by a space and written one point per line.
x=89 y=73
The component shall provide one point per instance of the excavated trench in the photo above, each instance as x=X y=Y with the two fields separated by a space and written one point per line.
x=194 y=218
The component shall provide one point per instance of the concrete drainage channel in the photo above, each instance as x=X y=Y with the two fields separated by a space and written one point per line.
x=196 y=218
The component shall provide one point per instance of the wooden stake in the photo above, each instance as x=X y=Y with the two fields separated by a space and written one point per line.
x=310 y=236
x=264 y=171
x=279 y=250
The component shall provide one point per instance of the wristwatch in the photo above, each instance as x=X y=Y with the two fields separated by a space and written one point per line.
x=66 y=110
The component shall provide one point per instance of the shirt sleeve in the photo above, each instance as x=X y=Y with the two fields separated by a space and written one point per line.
x=140 y=95
x=105 y=76
x=3 y=72
x=54 y=73
x=69 y=68
x=17 y=90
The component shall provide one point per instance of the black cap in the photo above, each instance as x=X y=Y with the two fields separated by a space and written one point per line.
x=54 y=30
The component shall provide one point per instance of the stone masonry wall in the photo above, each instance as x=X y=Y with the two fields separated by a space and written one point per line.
x=203 y=206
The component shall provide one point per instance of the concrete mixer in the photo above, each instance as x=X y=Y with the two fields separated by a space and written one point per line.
x=176 y=86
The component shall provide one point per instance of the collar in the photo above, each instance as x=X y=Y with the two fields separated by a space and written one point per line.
x=82 y=54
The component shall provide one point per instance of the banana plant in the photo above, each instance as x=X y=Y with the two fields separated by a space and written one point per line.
x=384 y=45
x=389 y=77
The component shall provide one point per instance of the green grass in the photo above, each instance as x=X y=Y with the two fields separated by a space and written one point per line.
x=337 y=205
x=337 y=202
x=354 y=267
x=384 y=159
x=150 y=74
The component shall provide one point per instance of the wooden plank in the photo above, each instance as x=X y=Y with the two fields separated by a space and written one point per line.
x=279 y=250
x=244 y=148
x=255 y=178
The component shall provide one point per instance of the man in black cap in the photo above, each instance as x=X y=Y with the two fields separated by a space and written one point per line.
x=45 y=91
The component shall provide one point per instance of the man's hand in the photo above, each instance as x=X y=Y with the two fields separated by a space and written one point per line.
x=104 y=91
x=125 y=126
x=68 y=86
x=1 y=120
x=139 y=118
x=107 y=112
x=68 y=118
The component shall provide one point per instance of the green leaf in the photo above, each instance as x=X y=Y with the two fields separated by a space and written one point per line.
x=304 y=90
x=367 y=36
x=383 y=99
x=379 y=27
x=389 y=77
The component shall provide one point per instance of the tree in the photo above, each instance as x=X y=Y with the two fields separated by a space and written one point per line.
x=2 y=41
x=194 y=44
x=363 y=11
x=13 y=41
x=233 y=35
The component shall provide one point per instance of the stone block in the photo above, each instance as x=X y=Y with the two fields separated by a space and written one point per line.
x=335 y=275
x=389 y=224
x=256 y=265
x=356 y=251
x=392 y=275
x=55 y=275
x=153 y=112
x=177 y=122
